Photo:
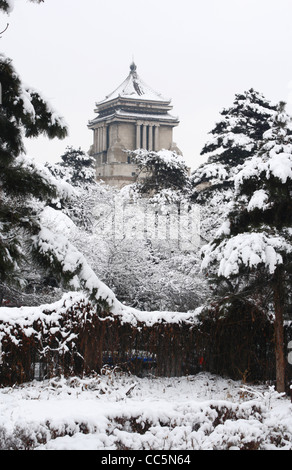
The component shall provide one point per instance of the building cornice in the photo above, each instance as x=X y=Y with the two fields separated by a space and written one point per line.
x=120 y=116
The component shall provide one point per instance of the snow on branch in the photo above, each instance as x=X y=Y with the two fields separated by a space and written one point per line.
x=246 y=249
x=54 y=245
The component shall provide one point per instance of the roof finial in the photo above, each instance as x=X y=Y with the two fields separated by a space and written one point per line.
x=133 y=67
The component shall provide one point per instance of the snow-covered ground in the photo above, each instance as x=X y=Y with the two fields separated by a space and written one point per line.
x=117 y=411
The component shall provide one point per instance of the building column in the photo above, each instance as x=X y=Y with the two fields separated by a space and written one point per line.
x=104 y=138
x=144 y=141
x=100 y=139
x=150 y=143
x=95 y=140
x=156 y=138
x=138 y=135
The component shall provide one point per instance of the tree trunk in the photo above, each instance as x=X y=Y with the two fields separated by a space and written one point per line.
x=279 y=332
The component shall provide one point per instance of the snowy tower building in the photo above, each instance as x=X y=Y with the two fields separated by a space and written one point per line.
x=131 y=117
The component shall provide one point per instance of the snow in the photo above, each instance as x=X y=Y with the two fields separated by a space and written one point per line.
x=170 y=158
x=52 y=242
x=57 y=221
x=230 y=139
x=280 y=166
x=25 y=317
x=258 y=200
x=55 y=118
x=28 y=108
x=160 y=117
x=224 y=229
x=56 y=246
x=50 y=315
x=277 y=163
x=115 y=410
x=64 y=190
x=249 y=249
x=209 y=170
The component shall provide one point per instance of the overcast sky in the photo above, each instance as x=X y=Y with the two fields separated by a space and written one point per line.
x=200 y=53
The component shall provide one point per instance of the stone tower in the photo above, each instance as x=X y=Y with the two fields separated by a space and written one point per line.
x=131 y=117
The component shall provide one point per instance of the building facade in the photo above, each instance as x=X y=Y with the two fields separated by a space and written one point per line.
x=131 y=117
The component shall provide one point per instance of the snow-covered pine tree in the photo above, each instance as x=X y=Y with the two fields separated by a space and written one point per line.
x=81 y=166
x=160 y=170
x=236 y=137
x=23 y=183
x=253 y=250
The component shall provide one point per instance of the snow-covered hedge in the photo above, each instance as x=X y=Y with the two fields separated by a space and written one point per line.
x=118 y=411
x=74 y=335
x=54 y=335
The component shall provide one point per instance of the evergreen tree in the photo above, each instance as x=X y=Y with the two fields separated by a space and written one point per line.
x=160 y=170
x=236 y=137
x=238 y=134
x=23 y=183
x=80 y=165
x=253 y=250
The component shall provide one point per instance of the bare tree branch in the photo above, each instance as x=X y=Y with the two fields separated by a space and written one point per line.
x=1 y=32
